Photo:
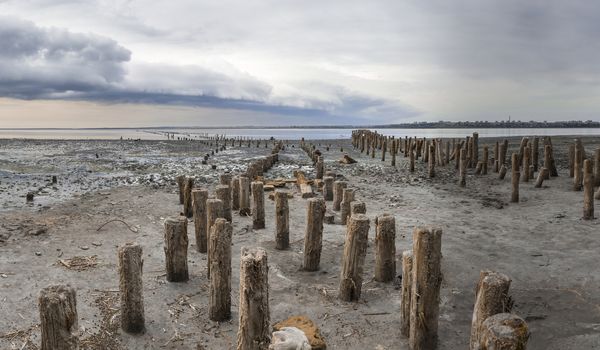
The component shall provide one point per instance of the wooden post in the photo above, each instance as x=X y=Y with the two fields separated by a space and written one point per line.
x=541 y=176
x=187 y=197
x=535 y=153
x=254 y=317
x=385 y=248
x=338 y=191
x=219 y=308
x=235 y=193
x=244 y=196
x=463 y=168
x=176 y=245
x=491 y=297
x=412 y=159
x=426 y=282
x=130 y=288
x=525 y=176
x=225 y=179
x=578 y=178
x=355 y=250
x=504 y=332
x=496 y=157
x=199 y=197
x=223 y=192
x=485 y=160
x=258 y=205
x=282 y=220
x=319 y=168
x=214 y=210
x=515 y=178
x=548 y=159
x=571 y=160
x=407 y=264
x=588 y=190
x=328 y=188
x=431 y=161
x=347 y=198
x=597 y=167
x=475 y=148
x=358 y=207
x=181 y=186
x=58 y=318
x=313 y=239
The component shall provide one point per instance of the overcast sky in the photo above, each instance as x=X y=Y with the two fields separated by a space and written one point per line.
x=67 y=63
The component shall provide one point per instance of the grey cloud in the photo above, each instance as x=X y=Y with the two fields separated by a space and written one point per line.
x=38 y=62
x=42 y=63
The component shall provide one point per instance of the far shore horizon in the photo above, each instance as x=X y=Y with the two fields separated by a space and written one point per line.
x=415 y=125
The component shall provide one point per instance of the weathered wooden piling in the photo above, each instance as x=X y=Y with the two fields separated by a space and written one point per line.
x=219 y=307
x=258 y=205
x=597 y=167
x=345 y=210
x=244 y=196
x=338 y=191
x=485 y=160
x=497 y=157
x=130 y=288
x=320 y=168
x=431 y=161
x=235 y=193
x=176 y=246
x=328 y=188
x=214 y=210
x=223 y=192
x=254 y=329
x=355 y=250
x=58 y=318
x=515 y=178
x=588 y=190
x=548 y=159
x=187 y=197
x=578 y=166
x=199 y=197
x=525 y=176
x=503 y=332
x=225 y=179
x=412 y=159
x=426 y=282
x=313 y=238
x=463 y=168
x=491 y=297
x=571 y=160
x=407 y=263
x=535 y=153
x=358 y=207
x=541 y=177
x=181 y=187
x=282 y=220
x=385 y=248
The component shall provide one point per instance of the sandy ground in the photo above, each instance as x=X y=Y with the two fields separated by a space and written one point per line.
x=542 y=243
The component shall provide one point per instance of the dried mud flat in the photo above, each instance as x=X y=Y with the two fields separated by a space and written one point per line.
x=542 y=243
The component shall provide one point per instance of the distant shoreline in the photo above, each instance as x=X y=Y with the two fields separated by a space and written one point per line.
x=420 y=125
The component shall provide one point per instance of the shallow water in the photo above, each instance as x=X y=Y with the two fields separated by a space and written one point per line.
x=277 y=133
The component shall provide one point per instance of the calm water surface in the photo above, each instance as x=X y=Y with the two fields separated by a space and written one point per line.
x=289 y=134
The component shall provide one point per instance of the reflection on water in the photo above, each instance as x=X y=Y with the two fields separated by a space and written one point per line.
x=289 y=134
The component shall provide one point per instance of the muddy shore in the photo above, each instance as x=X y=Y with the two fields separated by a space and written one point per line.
x=542 y=243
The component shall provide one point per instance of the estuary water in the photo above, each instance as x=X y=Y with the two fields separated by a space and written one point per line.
x=277 y=133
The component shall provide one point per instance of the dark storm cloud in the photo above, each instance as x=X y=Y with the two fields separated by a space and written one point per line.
x=48 y=63
x=37 y=63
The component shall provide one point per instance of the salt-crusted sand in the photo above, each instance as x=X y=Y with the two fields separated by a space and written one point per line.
x=542 y=243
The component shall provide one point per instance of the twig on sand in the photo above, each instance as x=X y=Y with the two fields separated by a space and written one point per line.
x=131 y=228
